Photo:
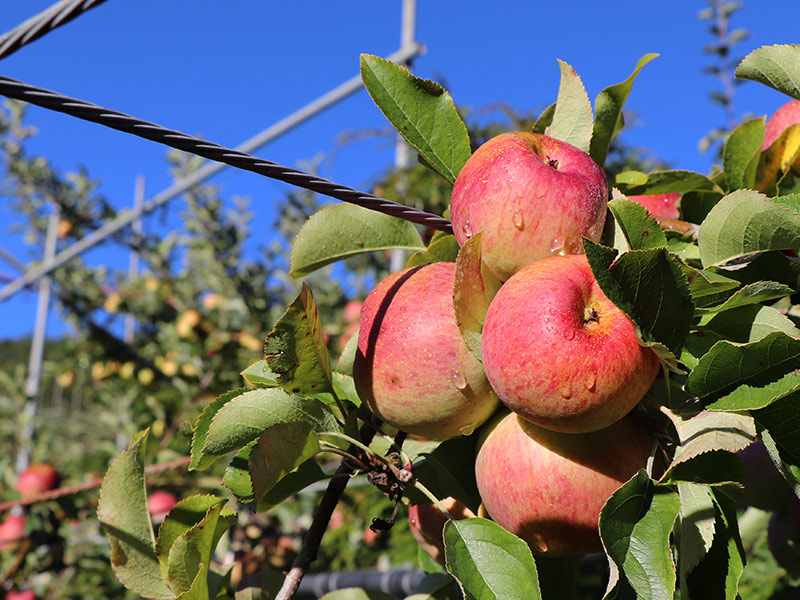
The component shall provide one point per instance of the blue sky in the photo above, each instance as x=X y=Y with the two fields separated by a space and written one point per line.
x=227 y=70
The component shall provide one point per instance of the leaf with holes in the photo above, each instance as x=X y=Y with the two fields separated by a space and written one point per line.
x=573 y=118
x=776 y=66
x=339 y=231
x=608 y=108
x=743 y=223
x=122 y=511
x=489 y=562
x=635 y=526
x=295 y=349
x=421 y=111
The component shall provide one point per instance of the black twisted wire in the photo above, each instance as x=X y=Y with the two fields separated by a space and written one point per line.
x=241 y=160
x=34 y=28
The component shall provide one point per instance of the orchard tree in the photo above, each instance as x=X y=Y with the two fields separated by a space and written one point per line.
x=706 y=299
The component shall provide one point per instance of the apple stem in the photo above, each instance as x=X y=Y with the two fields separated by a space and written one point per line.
x=417 y=484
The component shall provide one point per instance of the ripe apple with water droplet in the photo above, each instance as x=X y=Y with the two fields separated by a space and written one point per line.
x=660 y=205
x=559 y=353
x=412 y=367
x=532 y=195
x=547 y=487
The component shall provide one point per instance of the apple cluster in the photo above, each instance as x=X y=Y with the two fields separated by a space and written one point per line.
x=555 y=351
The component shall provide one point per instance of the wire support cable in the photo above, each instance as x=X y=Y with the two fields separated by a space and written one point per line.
x=241 y=160
x=55 y=16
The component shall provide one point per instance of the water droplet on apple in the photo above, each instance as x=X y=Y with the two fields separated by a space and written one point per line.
x=467 y=228
x=517 y=219
x=467 y=430
x=556 y=246
x=459 y=381
x=569 y=334
x=591 y=381
x=566 y=390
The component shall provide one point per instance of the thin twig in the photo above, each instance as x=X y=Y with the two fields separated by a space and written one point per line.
x=310 y=548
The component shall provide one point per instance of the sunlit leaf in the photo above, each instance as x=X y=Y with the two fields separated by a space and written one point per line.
x=776 y=66
x=573 y=118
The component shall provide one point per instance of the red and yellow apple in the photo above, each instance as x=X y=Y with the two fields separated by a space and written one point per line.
x=786 y=116
x=532 y=196
x=37 y=478
x=660 y=205
x=559 y=353
x=547 y=487
x=427 y=522
x=412 y=367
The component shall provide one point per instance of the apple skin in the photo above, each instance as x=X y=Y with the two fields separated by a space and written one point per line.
x=426 y=522
x=548 y=487
x=559 y=353
x=37 y=478
x=660 y=205
x=785 y=116
x=21 y=595
x=159 y=503
x=412 y=367
x=12 y=532
x=532 y=196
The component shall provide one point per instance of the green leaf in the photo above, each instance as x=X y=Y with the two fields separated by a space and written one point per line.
x=696 y=525
x=202 y=425
x=122 y=511
x=711 y=431
x=729 y=365
x=715 y=468
x=237 y=475
x=191 y=552
x=650 y=287
x=450 y=471
x=307 y=473
x=489 y=562
x=608 y=107
x=545 y=119
x=343 y=230
x=295 y=349
x=753 y=293
x=259 y=374
x=357 y=594
x=573 y=118
x=750 y=323
x=635 y=525
x=245 y=417
x=443 y=249
x=663 y=182
x=421 y=111
x=708 y=288
x=697 y=345
x=717 y=575
x=780 y=418
x=187 y=513
x=696 y=205
x=745 y=222
x=280 y=449
x=741 y=154
x=776 y=66
x=641 y=230
x=473 y=289
x=747 y=397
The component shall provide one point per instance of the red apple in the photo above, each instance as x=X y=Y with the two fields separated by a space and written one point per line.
x=159 y=503
x=559 y=353
x=37 y=478
x=548 y=487
x=660 y=205
x=12 y=532
x=427 y=521
x=412 y=367
x=352 y=312
x=21 y=595
x=533 y=196
x=785 y=116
